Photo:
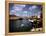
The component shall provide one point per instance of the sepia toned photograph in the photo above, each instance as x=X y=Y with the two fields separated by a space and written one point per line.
x=24 y=17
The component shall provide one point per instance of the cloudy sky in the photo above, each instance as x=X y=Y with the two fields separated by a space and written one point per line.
x=25 y=10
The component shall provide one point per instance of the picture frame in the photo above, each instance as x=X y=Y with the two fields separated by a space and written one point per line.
x=7 y=17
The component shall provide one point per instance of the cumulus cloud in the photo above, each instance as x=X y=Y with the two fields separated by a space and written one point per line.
x=12 y=12
x=22 y=6
x=33 y=7
x=30 y=8
x=19 y=7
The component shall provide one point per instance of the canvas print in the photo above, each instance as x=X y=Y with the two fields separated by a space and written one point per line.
x=25 y=17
